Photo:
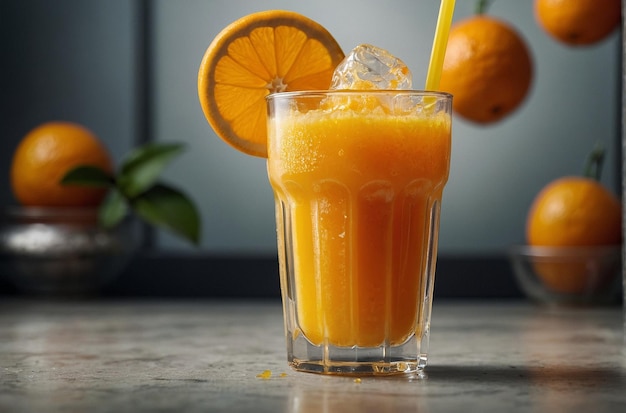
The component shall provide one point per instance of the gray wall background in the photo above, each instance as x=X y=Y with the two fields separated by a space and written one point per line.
x=76 y=60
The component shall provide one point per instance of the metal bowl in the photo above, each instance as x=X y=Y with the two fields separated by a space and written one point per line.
x=62 y=251
x=569 y=275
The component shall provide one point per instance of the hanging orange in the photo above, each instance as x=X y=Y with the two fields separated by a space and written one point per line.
x=578 y=22
x=487 y=67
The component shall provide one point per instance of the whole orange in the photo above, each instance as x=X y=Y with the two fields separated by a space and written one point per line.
x=45 y=155
x=574 y=211
x=487 y=67
x=578 y=22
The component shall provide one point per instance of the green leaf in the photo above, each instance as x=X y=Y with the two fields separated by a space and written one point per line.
x=113 y=209
x=141 y=169
x=88 y=176
x=167 y=207
x=135 y=187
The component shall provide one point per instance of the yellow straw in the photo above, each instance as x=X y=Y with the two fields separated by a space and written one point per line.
x=446 y=10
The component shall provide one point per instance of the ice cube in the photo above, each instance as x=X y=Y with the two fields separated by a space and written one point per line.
x=370 y=67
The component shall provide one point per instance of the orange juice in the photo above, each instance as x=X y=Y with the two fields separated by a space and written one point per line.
x=358 y=191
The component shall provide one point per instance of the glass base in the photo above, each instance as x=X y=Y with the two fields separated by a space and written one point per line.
x=404 y=359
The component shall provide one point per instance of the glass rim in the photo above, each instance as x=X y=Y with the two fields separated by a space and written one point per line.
x=321 y=92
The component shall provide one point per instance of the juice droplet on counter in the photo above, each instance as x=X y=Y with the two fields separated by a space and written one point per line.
x=265 y=375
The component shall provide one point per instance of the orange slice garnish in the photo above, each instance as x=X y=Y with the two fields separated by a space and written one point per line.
x=261 y=53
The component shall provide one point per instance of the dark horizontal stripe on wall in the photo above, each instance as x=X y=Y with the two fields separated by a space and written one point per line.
x=178 y=275
x=197 y=275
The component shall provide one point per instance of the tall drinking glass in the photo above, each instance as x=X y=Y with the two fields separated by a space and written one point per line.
x=358 y=178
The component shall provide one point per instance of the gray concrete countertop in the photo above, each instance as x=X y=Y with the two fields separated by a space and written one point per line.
x=206 y=356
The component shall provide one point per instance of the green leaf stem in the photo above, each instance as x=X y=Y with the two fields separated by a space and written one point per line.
x=595 y=160
x=482 y=6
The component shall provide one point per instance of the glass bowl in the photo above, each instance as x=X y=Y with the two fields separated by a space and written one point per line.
x=62 y=251
x=569 y=275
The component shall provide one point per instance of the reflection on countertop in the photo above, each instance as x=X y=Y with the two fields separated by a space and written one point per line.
x=209 y=356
